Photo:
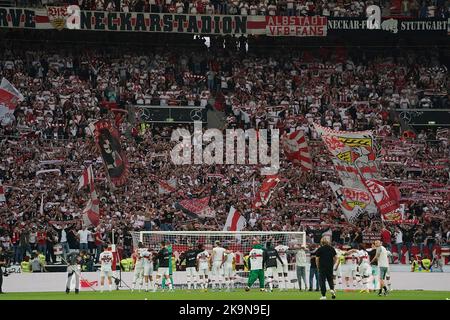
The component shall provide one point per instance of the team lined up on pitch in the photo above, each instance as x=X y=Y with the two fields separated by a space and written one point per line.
x=215 y=269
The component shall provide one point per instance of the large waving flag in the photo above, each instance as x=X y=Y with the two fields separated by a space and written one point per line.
x=87 y=178
x=196 y=208
x=265 y=192
x=353 y=202
x=9 y=97
x=91 y=214
x=352 y=150
x=386 y=198
x=297 y=151
x=235 y=221
x=107 y=138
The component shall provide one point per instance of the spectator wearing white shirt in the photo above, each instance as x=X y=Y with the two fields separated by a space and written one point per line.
x=83 y=235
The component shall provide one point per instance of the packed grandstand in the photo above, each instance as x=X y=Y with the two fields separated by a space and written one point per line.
x=47 y=143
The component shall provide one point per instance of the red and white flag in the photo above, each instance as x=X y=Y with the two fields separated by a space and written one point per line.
x=265 y=192
x=9 y=97
x=297 y=151
x=87 y=178
x=2 y=194
x=386 y=199
x=91 y=214
x=169 y=186
x=235 y=221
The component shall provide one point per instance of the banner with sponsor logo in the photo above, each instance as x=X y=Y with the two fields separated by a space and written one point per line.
x=314 y=26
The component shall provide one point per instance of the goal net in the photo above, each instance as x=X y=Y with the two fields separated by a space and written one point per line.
x=240 y=243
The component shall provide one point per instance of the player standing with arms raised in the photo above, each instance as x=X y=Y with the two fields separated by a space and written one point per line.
x=203 y=265
x=227 y=266
x=273 y=258
x=190 y=256
x=282 y=267
x=106 y=260
x=217 y=258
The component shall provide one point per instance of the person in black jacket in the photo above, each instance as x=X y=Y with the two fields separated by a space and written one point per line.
x=325 y=259
x=313 y=272
x=190 y=256
x=164 y=257
x=408 y=238
x=271 y=263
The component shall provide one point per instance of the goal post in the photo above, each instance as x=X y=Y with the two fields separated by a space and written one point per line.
x=240 y=242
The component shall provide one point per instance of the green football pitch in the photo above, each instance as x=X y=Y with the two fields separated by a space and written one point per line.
x=239 y=294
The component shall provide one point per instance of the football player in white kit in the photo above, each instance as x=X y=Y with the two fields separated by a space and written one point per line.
x=365 y=270
x=349 y=268
x=147 y=257
x=138 y=261
x=217 y=258
x=106 y=260
x=282 y=268
x=203 y=265
x=227 y=266
x=337 y=269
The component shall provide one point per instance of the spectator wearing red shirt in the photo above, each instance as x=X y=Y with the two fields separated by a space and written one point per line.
x=15 y=240
x=42 y=241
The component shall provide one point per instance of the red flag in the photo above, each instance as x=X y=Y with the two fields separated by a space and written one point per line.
x=87 y=284
x=196 y=208
x=267 y=188
x=386 y=199
x=297 y=151
x=235 y=221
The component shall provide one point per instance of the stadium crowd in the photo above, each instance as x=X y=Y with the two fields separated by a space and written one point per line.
x=46 y=144
x=333 y=8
